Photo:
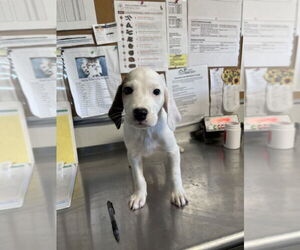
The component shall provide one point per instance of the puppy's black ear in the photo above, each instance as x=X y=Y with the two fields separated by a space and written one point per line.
x=115 y=111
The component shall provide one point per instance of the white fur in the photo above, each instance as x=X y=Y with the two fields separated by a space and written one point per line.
x=155 y=133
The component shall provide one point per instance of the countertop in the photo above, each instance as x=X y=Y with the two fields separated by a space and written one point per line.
x=272 y=194
x=213 y=180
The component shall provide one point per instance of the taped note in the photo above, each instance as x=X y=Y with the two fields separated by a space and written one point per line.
x=105 y=33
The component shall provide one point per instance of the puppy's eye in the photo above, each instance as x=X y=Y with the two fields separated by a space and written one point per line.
x=127 y=90
x=156 y=91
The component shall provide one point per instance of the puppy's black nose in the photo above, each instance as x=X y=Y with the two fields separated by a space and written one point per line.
x=140 y=114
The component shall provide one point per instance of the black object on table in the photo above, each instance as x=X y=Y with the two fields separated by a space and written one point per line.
x=113 y=221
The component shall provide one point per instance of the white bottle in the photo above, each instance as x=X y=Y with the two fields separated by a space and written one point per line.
x=282 y=135
x=232 y=135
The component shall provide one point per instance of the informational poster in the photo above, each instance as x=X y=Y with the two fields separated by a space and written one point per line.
x=36 y=71
x=268 y=29
x=177 y=33
x=75 y=14
x=74 y=40
x=224 y=90
x=94 y=76
x=106 y=33
x=214 y=32
x=143 y=35
x=27 y=15
x=190 y=89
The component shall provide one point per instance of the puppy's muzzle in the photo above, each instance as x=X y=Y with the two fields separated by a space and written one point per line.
x=140 y=114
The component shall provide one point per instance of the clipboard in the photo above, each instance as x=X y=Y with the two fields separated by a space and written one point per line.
x=66 y=151
x=66 y=156
x=16 y=156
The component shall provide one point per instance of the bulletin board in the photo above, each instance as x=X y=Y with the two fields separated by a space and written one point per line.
x=105 y=14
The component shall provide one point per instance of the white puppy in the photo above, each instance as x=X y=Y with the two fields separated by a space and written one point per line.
x=150 y=119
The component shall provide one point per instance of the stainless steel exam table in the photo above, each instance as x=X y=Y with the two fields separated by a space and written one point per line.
x=32 y=226
x=272 y=194
x=213 y=180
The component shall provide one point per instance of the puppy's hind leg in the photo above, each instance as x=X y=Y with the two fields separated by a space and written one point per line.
x=138 y=198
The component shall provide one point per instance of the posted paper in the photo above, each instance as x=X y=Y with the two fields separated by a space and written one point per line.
x=224 y=90
x=94 y=76
x=189 y=87
x=214 y=32
x=177 y=33
x=142 y=30
x=36 y=71
x=75 y=14
x=105 y=33
x=27 y=15
x=268 y=28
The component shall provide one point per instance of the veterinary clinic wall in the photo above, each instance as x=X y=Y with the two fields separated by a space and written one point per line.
x=103 y=133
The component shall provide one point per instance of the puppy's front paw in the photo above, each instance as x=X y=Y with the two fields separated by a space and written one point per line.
x=178 y=198
x=137 y=200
